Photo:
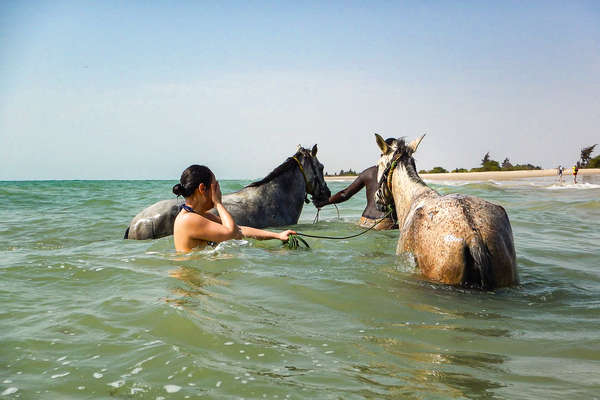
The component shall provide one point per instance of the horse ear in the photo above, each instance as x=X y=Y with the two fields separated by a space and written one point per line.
x=415 y=143
x=314 y=150
x=382 y=144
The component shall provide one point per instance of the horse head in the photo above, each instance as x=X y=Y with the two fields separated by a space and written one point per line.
x=395 y=153
x=312 y=170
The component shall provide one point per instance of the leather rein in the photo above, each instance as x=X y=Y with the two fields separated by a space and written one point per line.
x=386 y=177
x=309 y=188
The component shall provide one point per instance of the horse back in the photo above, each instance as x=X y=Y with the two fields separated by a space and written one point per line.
x=154 y=222
x=261 y=207
x=448 y=235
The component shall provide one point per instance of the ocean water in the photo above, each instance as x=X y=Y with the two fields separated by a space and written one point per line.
x=88 y=315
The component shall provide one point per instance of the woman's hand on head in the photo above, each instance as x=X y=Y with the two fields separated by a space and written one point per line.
x=216 y=192
x=284 y=235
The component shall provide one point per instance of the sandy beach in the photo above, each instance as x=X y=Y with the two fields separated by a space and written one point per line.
x=484 y=176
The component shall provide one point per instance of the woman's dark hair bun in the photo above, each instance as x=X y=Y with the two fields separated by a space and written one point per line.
x=191 y=178
x=178 y=189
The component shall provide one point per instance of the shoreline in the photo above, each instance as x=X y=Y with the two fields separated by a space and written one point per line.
x=485 y=176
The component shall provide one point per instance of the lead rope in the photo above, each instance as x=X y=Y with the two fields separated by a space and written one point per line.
x=294 y=240
x=319 y=210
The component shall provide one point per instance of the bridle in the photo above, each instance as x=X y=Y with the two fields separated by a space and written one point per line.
x=386 y=177
x=309 y=187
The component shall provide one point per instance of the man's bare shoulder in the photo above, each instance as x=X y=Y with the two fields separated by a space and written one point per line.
x=369 y=172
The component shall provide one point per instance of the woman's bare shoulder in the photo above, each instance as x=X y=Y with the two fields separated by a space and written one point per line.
x=191 y=218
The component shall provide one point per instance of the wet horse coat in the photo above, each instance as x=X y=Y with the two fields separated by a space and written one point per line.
x=276 y=200
x=455 y=239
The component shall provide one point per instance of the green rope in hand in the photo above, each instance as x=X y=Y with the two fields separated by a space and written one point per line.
x=294 y=242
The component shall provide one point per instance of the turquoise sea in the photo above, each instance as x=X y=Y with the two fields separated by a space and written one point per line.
x=88 y=315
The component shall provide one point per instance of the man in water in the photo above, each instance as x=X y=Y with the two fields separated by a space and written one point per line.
x=368 y=179
x=560 y=173
x=575 y=171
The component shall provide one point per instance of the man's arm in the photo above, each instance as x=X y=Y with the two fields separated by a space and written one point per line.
x=348 y=192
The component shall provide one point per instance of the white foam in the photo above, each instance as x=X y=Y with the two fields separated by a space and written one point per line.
x=97 y=375
x=10 y=390
x=446 y=183
x=574 y=186
x=60 y=375
x=117 y=384
x=172 y=388
x=152 y=343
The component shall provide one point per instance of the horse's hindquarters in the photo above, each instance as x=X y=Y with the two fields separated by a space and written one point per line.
x=154 y=222
x=461 y=241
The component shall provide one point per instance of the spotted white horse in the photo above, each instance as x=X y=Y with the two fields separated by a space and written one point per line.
x=455 y=239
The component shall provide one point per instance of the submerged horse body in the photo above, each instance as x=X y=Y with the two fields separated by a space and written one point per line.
x=455 y=239
x=276 y=200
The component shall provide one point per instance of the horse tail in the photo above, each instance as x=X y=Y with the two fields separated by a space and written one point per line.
x=126 y=233
x=479 y=271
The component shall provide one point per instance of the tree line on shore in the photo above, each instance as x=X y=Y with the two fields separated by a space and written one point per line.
x=488 y=164
x=586 y=160
x=350 y=172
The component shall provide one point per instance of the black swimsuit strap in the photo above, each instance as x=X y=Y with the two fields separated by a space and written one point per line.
x=187 y=208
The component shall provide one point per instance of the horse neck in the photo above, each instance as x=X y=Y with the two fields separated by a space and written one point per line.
x=406 y=189
x=285 y=190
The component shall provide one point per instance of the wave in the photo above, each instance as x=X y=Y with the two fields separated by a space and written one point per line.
x=100 y=202
x=446 y=183
x=589 y=205
x=574 y=186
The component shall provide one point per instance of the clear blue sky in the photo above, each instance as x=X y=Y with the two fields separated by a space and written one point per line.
x=140 y=90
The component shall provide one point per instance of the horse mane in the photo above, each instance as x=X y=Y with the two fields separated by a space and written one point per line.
x=287 y=165
x=408 y=161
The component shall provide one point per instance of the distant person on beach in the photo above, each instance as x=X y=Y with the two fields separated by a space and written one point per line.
x=560 y=173
x=575 y=171
x=195 y=227
x=368 y=179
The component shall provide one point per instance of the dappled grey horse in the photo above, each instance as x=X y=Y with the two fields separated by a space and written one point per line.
x=455 y=239
x=276 y=200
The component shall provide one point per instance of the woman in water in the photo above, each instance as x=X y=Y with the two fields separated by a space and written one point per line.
x=195 y=227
